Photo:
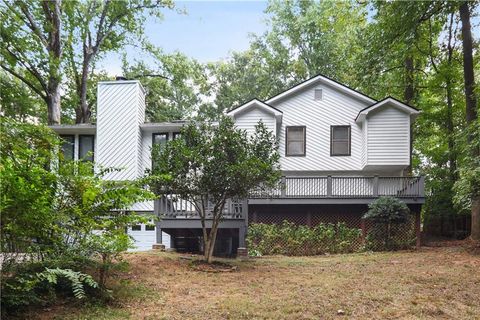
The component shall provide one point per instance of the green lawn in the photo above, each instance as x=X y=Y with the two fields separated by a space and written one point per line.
x=432 y=283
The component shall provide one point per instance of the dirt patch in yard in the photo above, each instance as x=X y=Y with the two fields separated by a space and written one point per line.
x=431 y=283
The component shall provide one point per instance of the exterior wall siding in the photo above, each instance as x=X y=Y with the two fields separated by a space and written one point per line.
x=388 y=137
x=335 y=108
x=249 y=119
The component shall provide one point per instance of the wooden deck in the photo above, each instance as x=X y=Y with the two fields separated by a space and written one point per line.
x=306 y=190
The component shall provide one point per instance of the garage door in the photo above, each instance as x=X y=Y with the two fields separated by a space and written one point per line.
x=144 y=236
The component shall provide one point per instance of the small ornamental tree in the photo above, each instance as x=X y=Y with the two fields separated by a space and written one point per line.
x=386 y=213
x=211 y=163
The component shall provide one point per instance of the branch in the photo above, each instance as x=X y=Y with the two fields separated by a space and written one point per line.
x=24 y=62
x=31 y=23
x=152 y=76
x=24 y=80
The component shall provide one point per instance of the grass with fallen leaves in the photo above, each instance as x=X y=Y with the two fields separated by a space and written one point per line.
x=431 y=283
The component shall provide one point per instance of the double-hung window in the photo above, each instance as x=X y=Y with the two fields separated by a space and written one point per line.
x=340 y=140
x=295 y=141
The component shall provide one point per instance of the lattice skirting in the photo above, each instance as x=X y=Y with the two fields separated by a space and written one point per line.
x=311 y=215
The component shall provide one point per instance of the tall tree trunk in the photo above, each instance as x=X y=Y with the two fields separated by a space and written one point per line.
x=475 y=234
x=83 y=109
x=53 y=103
x=452 y=154
x=409 y=92
x=408 y=96
x=53 y=13
x=470 y=104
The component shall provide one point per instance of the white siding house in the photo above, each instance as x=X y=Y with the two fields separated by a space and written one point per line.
x=338 y=148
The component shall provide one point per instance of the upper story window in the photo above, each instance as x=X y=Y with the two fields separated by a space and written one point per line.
x=340 y=140
x=318 y=94
x=86 y=146
x=295 y=141
x=68 y=146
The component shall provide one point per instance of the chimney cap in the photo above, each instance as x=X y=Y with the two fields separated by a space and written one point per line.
x=120 y=78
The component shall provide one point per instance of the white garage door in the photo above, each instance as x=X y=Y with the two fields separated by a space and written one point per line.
x=144 y=236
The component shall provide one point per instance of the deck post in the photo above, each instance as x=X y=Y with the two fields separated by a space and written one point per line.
x=375 y=186
x=309 y=219
x=242 y=231
x=418 y=234
x=283 y=187
x=158 y=232
x=329 y=186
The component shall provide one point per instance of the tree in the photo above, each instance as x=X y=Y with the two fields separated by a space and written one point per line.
x=17 y=101
x=32 y=48
x=305 y=38
x=177 y=86
x=471 y=109
x=255 y=73
x=320 y=37
x=27 y=188
x=97 y=27
x=212 y=163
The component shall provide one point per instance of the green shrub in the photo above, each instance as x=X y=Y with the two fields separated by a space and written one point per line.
x=290 y=239
x=390 y=219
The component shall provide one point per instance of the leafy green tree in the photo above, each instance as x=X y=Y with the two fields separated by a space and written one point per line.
x=32 y=48
x=177 y=86
x=212 y=163
x=305 y=38
x=17 y=101
x=95 y=28
x=28 y=189
x=245 y=76
x=320 y=37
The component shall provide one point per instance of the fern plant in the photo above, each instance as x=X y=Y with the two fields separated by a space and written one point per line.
x=76 y=280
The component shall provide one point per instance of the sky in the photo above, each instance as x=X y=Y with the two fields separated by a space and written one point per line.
x=208 y=31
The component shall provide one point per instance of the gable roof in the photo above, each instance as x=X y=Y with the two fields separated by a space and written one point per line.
x=388 y=100
x=320 y=78
x=253 y=103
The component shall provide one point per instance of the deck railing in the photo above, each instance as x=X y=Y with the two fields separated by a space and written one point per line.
x=173 y=206
x=343 y=187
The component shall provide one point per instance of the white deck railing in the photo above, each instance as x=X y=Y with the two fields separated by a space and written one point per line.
x=343 y=187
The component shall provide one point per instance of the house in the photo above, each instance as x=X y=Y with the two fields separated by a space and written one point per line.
x=339 y=148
